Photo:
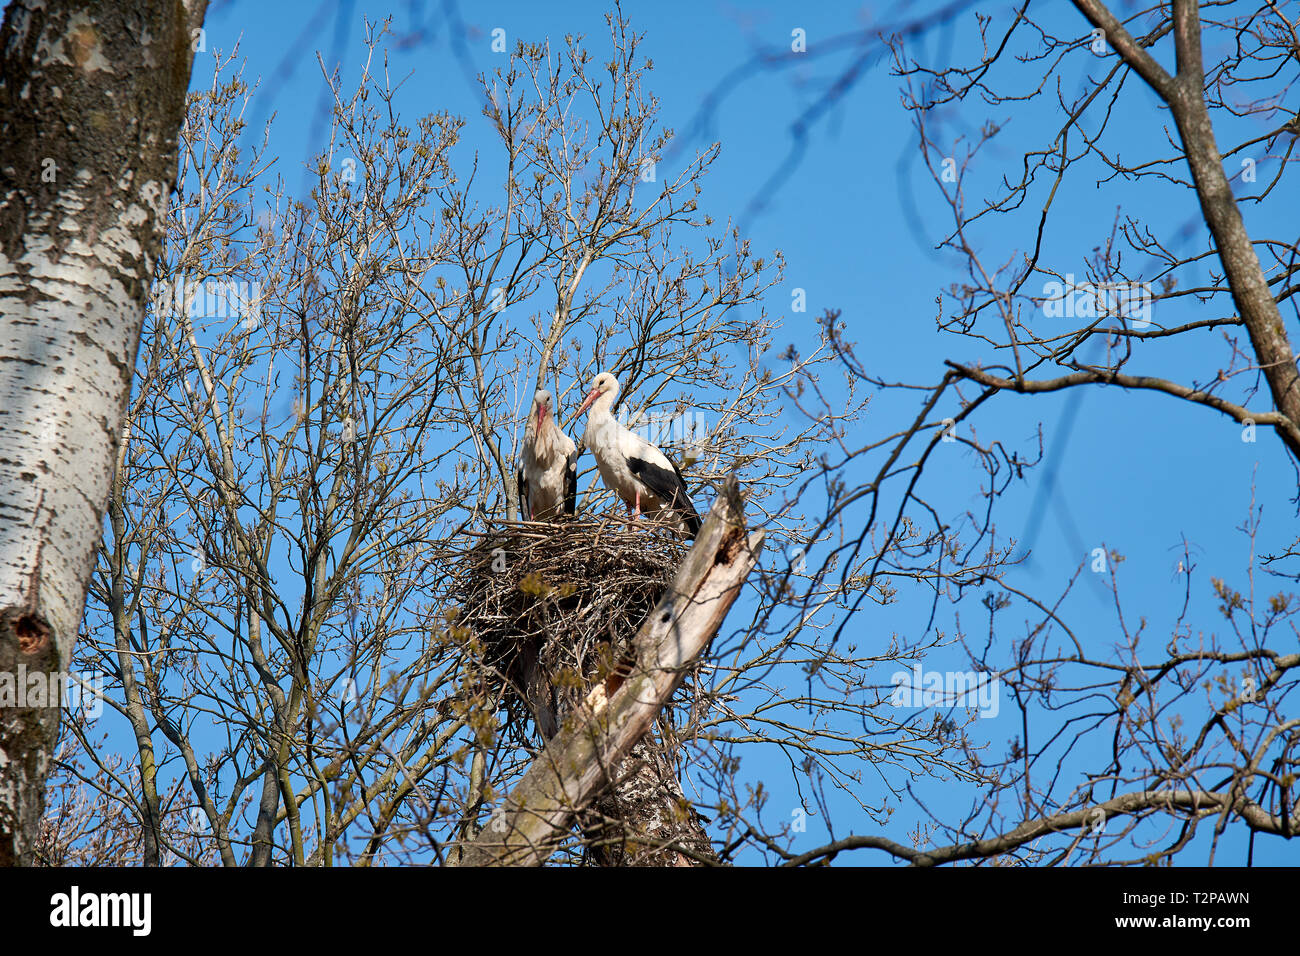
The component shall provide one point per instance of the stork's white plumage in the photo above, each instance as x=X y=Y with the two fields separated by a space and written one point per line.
x=548 y=473
x=638 y=472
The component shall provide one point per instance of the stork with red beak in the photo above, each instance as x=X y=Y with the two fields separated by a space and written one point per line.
x=548 y=474
x=638 y=472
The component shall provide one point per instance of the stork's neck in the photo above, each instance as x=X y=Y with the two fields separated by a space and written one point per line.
x=545 y=437
x=602 y=430
x=603 y=406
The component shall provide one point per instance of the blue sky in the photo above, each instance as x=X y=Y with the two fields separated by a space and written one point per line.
x=1136 y=473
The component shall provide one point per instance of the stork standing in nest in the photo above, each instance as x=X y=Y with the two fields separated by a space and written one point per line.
x=548 y=474
x=638 y=472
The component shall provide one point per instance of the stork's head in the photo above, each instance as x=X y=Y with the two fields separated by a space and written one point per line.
x=542 y=405
x=602 y=385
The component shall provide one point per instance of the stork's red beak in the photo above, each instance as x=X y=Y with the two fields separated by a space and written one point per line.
x=591 y=397
x=541 y=414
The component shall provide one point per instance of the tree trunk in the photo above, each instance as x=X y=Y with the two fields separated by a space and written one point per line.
x=92 y=94
x=643 y=815
x=644 y=818
x=1250 y=292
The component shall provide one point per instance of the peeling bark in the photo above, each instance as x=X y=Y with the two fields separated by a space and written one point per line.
x=91 y=98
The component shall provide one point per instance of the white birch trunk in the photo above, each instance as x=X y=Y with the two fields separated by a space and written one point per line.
x=91 y=98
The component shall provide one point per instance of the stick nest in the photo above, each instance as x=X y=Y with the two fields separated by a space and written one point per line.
x=547 y=608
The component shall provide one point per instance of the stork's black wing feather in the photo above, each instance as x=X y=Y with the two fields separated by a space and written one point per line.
x=571 y=484
x=521 y=483
x=689 y=514
x=668 y=486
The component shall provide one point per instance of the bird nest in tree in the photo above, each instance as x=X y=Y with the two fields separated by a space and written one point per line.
x=548 y=608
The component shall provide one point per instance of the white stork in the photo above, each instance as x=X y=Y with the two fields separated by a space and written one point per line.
x=548 y=473
x=638 y=472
